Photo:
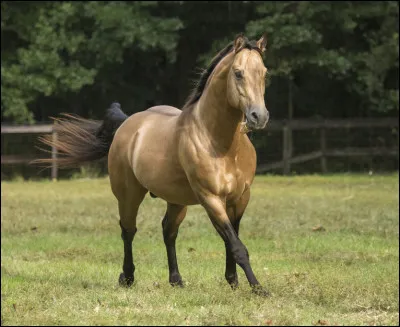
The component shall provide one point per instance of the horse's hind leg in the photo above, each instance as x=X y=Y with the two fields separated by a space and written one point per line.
x=128 y=203
x=235 y=214
x=170 y=224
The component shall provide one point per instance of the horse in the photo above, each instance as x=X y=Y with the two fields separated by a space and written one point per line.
x=200 y=154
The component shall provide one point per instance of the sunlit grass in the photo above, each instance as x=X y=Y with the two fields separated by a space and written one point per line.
x=326 y=247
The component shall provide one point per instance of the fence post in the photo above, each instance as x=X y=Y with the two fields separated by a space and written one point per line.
x=397 y=139
x=397 y=147
x=54 y=166
x=287 y=148
x=323 y=150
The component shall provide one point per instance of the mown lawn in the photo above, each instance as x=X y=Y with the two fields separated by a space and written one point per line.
x=327 y=248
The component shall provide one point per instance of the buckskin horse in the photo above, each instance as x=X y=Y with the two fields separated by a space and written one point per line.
x=198 y=155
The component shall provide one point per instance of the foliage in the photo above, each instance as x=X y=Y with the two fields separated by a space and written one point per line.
x=354 y=42
x=51 y=48
x=339 y=58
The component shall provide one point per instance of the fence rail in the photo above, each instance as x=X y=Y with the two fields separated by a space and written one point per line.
x=323 y=124
x=299 y=124
x=286 y=127
x=30 y=129
x=23 y=129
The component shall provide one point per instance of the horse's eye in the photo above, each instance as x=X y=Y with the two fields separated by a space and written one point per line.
x=238 y=74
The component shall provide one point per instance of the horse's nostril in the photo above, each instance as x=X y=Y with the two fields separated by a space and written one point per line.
x=254 y=115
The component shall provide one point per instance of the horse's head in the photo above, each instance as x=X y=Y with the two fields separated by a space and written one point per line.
x=246 y=81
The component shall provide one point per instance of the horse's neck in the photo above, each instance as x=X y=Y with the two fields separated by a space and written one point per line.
x=218 y=119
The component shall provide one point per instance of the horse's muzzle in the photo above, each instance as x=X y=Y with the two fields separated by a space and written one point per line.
x=257 y=118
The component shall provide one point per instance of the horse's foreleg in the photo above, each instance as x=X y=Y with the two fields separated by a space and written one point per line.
x=170 y=224
x=235 y=214
x=217 y=213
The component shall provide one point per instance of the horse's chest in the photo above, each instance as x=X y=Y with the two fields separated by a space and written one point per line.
x=209 y=173
x=234 y=182
x=223 y=177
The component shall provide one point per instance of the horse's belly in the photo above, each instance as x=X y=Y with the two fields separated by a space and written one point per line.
x=168 y=184
x=180 y=193
x=167 y=181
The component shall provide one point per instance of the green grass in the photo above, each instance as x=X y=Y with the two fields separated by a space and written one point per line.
x=61 y=255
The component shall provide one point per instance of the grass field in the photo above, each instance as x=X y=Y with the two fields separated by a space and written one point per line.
x=61 y=255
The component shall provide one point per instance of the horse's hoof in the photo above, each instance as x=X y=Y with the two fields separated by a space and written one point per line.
x=125 y=281
x=234 y=285
x=178 y=283
x=176 y=280
x=259 y=290
x=233 y=281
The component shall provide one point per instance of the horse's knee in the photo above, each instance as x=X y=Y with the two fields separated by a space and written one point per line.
x=170 y=238
x=169 y=234
x=240 y=254
x=127 y=235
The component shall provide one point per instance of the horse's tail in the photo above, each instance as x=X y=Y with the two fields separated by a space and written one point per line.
x=80 y=140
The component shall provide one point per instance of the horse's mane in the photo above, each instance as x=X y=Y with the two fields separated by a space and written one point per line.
x=201 y=83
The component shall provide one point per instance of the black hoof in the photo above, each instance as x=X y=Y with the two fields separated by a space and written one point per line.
x=259 y=290
x=234 y=285
x=178 y=283
x=233 y=281
x=125 y=281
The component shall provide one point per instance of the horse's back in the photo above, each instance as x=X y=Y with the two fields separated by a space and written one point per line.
x=165 y=110
x=156 y=118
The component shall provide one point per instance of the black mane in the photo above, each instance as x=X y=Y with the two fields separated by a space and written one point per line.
x=201 y=83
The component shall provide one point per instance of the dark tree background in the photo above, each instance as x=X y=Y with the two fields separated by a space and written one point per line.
x=326 y=59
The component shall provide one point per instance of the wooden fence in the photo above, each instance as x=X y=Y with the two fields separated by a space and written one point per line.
x=31 y=129
x=324 y=152
x=286 y=127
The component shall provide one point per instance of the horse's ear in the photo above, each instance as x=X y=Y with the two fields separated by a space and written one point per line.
x=262 y=42
x=239 y=42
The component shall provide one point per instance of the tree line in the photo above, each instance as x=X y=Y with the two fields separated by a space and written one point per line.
x=325 y=59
